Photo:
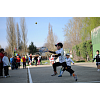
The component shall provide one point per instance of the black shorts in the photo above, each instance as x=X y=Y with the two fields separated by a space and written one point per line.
x=63 y=65
x=97 y=63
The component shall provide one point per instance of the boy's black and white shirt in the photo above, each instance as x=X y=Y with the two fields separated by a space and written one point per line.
x=60 y=55
x=97 y=57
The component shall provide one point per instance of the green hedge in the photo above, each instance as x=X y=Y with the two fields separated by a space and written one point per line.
x=84 y=49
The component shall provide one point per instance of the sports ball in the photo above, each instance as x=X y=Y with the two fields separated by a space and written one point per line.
x=36 y=23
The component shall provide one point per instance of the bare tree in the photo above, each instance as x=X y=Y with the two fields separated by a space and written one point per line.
x=72 y=32
x=24 y=35
x=11 y=36
x=52 y=39
x=18 y=37
x=8 y=50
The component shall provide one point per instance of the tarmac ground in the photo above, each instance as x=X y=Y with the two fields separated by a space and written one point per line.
x=87 y=73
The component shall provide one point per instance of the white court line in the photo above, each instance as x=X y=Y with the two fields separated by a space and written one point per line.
x=29 y=74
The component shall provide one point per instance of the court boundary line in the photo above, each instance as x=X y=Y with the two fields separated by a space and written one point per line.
x=29 y=76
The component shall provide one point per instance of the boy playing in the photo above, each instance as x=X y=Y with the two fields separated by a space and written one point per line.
x=97 y=57
x=1 y=63
x=68 y=62
x=62 y=62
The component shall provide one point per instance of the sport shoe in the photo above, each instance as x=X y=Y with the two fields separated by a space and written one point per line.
x=54 y=74
x=5 y=76
x=60 y=76
x=75 y=77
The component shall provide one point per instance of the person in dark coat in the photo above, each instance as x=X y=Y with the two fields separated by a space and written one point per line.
x=36 y=60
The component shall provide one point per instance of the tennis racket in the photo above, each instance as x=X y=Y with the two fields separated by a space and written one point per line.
x=43 y=49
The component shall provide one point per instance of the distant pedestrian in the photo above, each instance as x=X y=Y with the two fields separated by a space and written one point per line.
x=36 y=60
x=27 y=59
x=33 y=59
x=6 y=64
x=11 y=62
x=52 y=59
x=21 y=61
x=18 y=61
x=14 y=62
x=97 y=57
x=30 y=61
x=24 y=62
x=1 y=63
x=40 y=60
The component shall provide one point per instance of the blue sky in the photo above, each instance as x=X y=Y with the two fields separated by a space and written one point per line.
x=37 y=33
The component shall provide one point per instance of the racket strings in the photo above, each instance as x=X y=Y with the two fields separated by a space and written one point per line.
x=43 y=49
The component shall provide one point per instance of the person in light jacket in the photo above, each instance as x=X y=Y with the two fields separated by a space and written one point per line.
x=68 y=62
x=6 y=64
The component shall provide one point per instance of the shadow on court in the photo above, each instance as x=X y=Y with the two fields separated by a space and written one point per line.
x=86 y=74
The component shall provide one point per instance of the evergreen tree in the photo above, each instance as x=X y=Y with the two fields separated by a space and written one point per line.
x=32 y=48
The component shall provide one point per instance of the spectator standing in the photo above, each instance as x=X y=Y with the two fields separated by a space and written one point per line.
x=6 y=64
x=26 y=59
x=38 y=60
x=30 y=61
x=21 y=61
x=18 y=61
x=33 y=59
x=1 y=63
x=24 y=62
x=11 y=62
x=15 y=60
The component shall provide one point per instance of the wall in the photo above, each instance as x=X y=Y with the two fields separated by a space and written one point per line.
x=95 y=36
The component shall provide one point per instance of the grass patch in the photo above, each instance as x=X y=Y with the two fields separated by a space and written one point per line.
x=45 y=62
x=79 y=61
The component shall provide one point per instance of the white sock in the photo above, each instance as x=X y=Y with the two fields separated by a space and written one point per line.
x=62 y=72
